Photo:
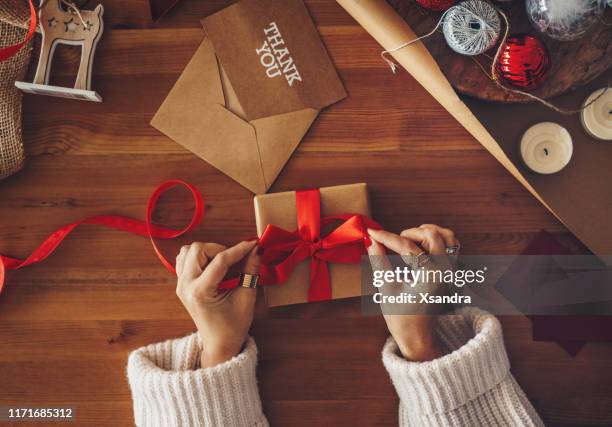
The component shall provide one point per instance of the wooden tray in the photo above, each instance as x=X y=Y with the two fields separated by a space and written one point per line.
x=574 y=64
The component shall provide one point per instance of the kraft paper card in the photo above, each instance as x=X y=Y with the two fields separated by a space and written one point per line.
x=274 y=57
x=246 y=115
x=279 y=209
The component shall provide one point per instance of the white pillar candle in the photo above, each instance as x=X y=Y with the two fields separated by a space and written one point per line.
x=546 y=147
x=597 y=117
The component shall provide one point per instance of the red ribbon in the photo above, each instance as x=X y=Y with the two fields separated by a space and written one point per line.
x=9 y=51
x=134 y=226
x=284 y=250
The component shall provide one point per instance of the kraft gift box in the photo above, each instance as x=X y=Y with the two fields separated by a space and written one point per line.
x=279 y=209
x=251 y=91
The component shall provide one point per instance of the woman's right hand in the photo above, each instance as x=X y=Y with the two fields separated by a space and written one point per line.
x=223 y=318
x=414 y=333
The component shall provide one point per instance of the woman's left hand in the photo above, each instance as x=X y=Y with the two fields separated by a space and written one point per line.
x=223 y=318
x=414 y=333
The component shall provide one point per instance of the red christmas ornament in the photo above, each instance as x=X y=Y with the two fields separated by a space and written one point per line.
x=523 y=62
x=436 y=5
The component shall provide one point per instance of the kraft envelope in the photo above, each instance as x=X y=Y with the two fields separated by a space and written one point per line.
x=203 y=114
x=205 y=111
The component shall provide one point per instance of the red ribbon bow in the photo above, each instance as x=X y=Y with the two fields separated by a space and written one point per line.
x=284 y=250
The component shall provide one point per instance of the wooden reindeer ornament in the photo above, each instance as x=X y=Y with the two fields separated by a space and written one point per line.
x=69 y=26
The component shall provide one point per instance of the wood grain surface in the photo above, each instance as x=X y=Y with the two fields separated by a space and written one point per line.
x=68 y=324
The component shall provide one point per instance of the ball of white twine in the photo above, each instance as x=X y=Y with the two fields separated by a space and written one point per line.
x=471 y=27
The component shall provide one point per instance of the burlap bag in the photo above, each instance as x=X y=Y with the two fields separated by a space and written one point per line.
x=14 y=19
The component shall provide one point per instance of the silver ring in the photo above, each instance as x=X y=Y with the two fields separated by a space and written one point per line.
x=247 y=280
x=452 y=250
x=416 y=261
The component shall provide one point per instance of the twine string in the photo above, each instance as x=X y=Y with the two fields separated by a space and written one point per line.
x=393 y=65
x=75 y=10
x=495 y=78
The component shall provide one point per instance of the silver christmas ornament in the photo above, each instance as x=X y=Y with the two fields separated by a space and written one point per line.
x=564 y=20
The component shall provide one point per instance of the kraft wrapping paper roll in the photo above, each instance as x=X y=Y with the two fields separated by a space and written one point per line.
x=390 y=30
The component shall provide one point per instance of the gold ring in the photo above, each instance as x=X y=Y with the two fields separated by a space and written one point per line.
x=248 y=280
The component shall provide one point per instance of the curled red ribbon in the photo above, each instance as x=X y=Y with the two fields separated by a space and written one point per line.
x=284 y=250
x=130 y=225
x=9 y=51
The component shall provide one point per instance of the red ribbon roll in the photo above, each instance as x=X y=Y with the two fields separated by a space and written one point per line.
x=9 y=51
x=134 y=226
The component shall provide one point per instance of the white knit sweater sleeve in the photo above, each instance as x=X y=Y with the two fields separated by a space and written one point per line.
x=471 y=385
x=169 y=388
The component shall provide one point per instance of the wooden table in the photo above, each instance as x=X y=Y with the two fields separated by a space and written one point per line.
x=67 y=325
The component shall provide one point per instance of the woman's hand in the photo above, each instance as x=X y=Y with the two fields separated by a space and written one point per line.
x=414 y=333
x=223 y=318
